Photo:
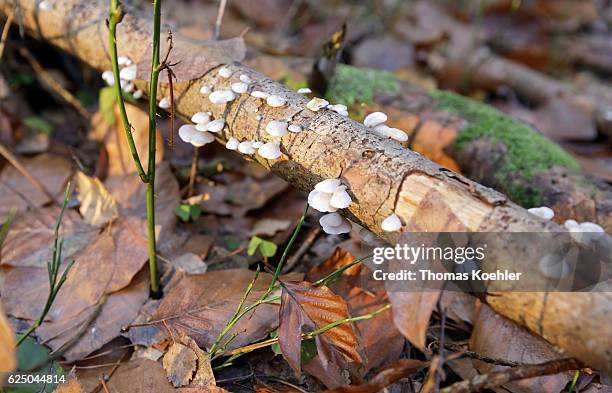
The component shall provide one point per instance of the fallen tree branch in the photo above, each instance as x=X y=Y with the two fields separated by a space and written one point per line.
x=499 y=378
x=383 y=177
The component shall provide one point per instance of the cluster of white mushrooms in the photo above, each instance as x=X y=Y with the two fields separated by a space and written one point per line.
x=578 y=230
x=127 y=74
x=376 y=122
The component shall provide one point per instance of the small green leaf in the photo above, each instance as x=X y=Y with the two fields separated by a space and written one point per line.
x=308 y=350
x=38 y=124
x=276 y=346
x=195 y=211
x=267 y=249
x=253 y=244
x=183 y=211
x=106 y=101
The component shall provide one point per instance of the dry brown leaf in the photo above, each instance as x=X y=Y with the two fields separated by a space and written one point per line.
x=304 y=308
x=269 y=226
x=411 y=314
x=72 y=385
x=98 y=206
x=497 y=337
x=138 y=376
x=200 y=305
x=204 y=376
x=180 y=363
x=16 y=191
x=8 y=361
x=30 y=239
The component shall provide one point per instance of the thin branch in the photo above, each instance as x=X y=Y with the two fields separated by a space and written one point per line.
x=498 y=378
x=5 y=31
x=220 y=13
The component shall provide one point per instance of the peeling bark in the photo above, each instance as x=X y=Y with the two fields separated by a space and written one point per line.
x=383 y=177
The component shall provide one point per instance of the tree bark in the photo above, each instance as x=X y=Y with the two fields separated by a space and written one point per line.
x=382 y=176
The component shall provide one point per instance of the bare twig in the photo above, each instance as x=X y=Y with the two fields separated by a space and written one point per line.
x=5 y=31
x=193 y=172
x=306 y=244
x=220 y=13
x=498 y=378
x=46 y=79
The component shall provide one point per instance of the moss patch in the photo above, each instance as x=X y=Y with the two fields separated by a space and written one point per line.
x=353 y=85
x=528 y=152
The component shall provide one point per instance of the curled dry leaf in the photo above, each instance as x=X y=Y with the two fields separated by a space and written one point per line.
x=140 y=375
x=180 y=363
x=305 y=308
x=98 y=206
x=8 y=362
x=269 y=226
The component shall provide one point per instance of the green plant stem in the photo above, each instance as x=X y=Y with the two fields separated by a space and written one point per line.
x=115 y=15
x=114 y=18
x=331 y=276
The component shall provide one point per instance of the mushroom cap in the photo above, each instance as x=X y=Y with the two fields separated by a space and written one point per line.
x=246 y=147
x=258 y=144
x=374 y=119
x=340 y=198
x=270 y=151
x=245 y=78
x=128 y=73
x=304 y=90
x=328 y=185
x=320 y=201
x=295 y=128
x=202 y=126
x=108 y=77
x=343 y=227
x=317 y=103
x=215 y=125
x=276 y=128
x=124 y=61
x=259 y=94
x=137 y=94
x=186 y=132
x=205 y=89
x=201 y=138
x=591 y=227
x=239 y=87
x=221 y=96
x=225 y=72
x=543 y=212
x=331 y=219
x=339 y=108
x=390 y=132
x=568 y=224
x=391 y=223
x=165 y=103
x=276 y=101
x=232 y=144
x=200 y=117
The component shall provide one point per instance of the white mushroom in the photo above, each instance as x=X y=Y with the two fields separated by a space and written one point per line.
x=246 y=147
x=232 y=143
x=569 y=224
x=276 y=128
x=137 y=94
x=270 y=151
x=165 y=103
x=317 y=103
x=239 y=87
x=543 y=212
x=128 y=87
x=215 y=125
x=259 y=94
x=294 y=128
x=124 y=61
x=128 y=73
x=320 y=201
x=201 y=117
x=339 y=108
x=258 y=117
x=257 y=144
x=304 y=90
x=45 y=5
x=374 y=119
x=276 y=101
x=391 y=223
x=389 y=132
x=201 y=138
x=225 y=72
x=328 y=185
x=108 y=77
x=205 y=89
x=186 y=132
x=245 y=78
x=202 y=126
x=340 y=198
x=335 y=224
x=221 y=96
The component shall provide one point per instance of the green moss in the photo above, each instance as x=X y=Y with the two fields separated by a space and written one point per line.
x=293 y=83
x=359 y=85
x=528 y=152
